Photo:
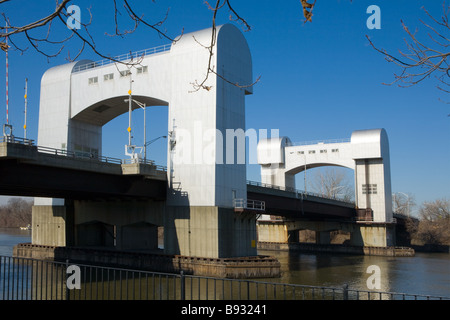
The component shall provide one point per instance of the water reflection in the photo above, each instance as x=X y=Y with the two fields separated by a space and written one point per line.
x=426 y=273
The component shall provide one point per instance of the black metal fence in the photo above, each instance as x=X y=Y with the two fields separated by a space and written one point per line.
x=30 y=279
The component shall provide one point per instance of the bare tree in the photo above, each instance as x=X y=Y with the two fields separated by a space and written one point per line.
x=38 y=34
x=332 y=183
x=16 y=213
x=435 y=211
x=424 y=57
x=434 y=226
x=403 y=203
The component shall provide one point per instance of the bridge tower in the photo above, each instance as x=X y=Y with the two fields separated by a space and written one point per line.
x=199 y=219
x=367 y=153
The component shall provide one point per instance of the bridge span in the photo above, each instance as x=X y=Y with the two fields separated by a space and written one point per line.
x=90 y=183
x=206 y=205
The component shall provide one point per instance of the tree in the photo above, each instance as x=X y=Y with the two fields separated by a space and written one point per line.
x=332 y=183
x=16 y=213
x=434 y=226
x=403 y=203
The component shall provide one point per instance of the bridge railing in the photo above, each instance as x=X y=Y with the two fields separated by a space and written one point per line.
x=13 y=139
x=301 y=193
x=249 y=204
x=32 y=279
x=123 y=57
x=78 y=154
x=370 y=219
x=329 y=141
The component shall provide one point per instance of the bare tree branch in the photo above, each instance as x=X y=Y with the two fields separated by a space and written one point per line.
x=210 y=68
x=41 y=42
x=422 y=60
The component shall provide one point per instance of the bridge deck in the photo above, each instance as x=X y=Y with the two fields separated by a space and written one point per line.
x=28 y=170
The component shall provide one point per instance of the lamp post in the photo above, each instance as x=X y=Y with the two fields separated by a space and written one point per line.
x=143 y=106
x=150 y=142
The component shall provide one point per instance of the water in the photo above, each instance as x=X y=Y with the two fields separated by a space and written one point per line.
x=426 y=273
x=9 y=237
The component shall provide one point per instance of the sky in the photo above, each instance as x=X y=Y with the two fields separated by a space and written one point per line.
x=319 y=80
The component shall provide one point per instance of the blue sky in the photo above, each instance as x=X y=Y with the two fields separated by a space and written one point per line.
x=319 y=80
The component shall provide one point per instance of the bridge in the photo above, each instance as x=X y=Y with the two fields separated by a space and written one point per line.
x=202 y=198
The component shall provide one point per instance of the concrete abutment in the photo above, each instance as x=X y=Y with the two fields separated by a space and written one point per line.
x=201 y=240
x=364 y=238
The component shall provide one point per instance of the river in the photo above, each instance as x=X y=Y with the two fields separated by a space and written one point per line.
x=425 y=273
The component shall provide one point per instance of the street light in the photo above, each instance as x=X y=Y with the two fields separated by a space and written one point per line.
x=143 y=106
x=153 y=140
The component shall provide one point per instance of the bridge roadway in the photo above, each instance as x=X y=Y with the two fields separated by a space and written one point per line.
x=29 y=170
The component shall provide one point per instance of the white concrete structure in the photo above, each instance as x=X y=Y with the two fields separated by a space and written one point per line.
x=367 y=152
x=78 y=98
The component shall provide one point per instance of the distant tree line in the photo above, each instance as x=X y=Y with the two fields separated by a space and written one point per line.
x=16 y=213
x=433 y=225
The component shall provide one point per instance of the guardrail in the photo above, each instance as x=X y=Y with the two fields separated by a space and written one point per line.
x=249 y=204
x=78 y=154
x=329 y=141
x=123 y=57
x=32 y=279
x=13 y=139
x=370 y=219
x=294 y=190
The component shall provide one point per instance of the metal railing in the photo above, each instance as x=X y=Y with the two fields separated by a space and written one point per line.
x=123 y=57
x=31 y=279
x=249 y=204
x=13 y=139
x=300 y=193
x=329 y=141
x=78 y=154
x=370 y=219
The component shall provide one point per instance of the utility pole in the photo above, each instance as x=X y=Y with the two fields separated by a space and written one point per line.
x=26 y=102
x=129 y=111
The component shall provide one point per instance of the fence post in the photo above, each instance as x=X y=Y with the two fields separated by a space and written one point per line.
x=182 y=286
x=345 y=292
x=66 y=287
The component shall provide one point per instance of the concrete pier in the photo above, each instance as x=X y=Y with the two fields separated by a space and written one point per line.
x=338 y=248
x=235 y=268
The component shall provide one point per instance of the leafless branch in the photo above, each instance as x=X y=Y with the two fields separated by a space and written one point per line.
x=210 y=68
x=42 y=41
x=422 y=60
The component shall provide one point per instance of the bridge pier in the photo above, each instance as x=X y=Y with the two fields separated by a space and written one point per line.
x=52 y=225
x=120 y=225
x=373 y=235
x=209 y=231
